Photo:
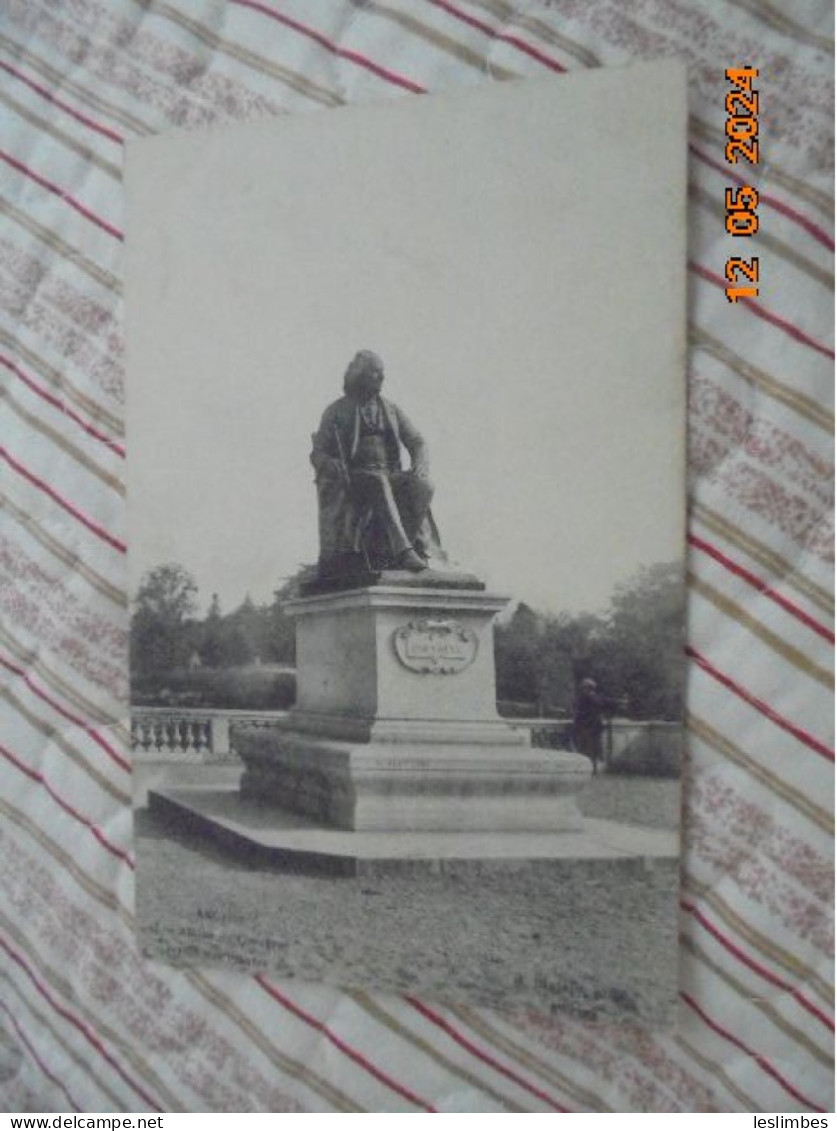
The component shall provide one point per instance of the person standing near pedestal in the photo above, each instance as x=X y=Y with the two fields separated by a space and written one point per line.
x=373 y=515
x=589 y=721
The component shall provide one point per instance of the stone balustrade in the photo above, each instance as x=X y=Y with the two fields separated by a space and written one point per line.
x=203 y=735
x=190 y=734
x=630 y=746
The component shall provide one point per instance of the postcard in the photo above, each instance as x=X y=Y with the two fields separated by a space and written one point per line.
x=406 y=424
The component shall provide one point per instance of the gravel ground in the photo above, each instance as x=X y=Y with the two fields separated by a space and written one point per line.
x=595 y=938
x=653 y=802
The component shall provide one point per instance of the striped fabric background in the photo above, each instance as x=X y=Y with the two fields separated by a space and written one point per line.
x=87 y=1024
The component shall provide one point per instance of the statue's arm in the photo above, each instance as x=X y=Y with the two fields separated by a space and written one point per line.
x=324 y=454
x=415 y=444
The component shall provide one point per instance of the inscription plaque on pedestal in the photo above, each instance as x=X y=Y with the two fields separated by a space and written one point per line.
x=440 y=647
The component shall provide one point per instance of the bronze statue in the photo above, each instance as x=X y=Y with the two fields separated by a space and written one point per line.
x=373 y=514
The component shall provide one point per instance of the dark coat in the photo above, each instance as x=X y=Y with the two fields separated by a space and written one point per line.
x=342 y=418
x=588 y=721
x=333 y=446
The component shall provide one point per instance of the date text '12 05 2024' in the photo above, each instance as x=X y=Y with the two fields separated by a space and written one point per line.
x=742 y=201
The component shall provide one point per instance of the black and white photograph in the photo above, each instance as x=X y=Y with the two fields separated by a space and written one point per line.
x=406 y=497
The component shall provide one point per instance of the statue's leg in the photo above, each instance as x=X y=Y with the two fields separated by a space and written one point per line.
x=373 y=488
x=413 y=496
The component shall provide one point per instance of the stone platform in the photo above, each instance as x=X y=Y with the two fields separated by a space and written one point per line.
x=267 y=836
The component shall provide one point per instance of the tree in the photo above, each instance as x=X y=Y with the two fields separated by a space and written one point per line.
x=575 y=645
x=168 y=592
x=645 y=645
x=241 y=635
x=634 y=652
x=211 y=637
x=162 y=635
x=280 y=630
x=516 y=656
x=539 y=658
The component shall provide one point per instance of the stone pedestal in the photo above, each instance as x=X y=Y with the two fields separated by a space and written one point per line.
x=398 y=663
x=396 y=727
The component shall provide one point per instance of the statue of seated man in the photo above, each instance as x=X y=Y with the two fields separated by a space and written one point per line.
x=373 y=515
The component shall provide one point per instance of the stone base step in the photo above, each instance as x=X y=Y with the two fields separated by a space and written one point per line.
x=266 y=835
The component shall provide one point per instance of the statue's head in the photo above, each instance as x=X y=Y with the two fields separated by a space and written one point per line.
x=364 y=377
x=588 y=684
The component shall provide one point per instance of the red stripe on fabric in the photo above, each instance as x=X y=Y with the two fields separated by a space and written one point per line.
x=768 y=975
x=762 y=1062
x=353 y=1054
x=381 y=72
x=94 y=527
x=103 y=130
x=324 y=41
x=760 y=705
x=488 y=30
x=35 y=1056
x=764 y=198
x=59 y=404
x=81 y=1026
x=757 y=309
x=59 y=192
x=446 y=1027
x=97 y=738
x=762 y=587
x=35 y=775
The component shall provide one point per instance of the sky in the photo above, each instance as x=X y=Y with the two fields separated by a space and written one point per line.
x=514 y=253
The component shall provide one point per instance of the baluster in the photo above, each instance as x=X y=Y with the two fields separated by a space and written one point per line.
x=176 y=731
x=159 y=727
x=172 y=736
x=204 y=736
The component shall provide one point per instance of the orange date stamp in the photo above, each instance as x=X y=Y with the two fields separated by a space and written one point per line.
x=741 y=203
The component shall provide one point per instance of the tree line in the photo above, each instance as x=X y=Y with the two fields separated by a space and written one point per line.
x=634 y=649
x=167 y=633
